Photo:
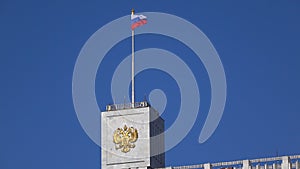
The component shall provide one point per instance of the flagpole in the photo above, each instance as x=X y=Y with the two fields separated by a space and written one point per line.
x=132 y=64
x=132 y=67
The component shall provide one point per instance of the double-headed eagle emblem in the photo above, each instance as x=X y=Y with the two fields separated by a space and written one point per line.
x=124 y=138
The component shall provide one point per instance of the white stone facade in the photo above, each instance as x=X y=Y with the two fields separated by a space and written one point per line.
x=148 y=151
x=284 y=162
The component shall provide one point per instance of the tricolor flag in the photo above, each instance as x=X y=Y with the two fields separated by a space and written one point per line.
x=137 y=20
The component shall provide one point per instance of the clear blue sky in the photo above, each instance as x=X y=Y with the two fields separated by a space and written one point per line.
x=258 y=43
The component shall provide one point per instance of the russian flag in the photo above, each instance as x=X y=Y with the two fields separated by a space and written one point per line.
x=137 y=20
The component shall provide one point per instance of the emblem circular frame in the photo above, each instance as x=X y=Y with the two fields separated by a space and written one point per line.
x=96 y=47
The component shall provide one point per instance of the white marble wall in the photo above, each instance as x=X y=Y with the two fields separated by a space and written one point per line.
x=140 y=156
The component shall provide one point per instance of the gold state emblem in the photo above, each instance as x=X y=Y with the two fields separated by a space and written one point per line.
x=124 y=138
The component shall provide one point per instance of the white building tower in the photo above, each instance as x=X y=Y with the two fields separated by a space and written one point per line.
x=132 y=137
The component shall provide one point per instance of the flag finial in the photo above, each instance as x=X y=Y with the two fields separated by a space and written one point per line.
x=132 y=11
